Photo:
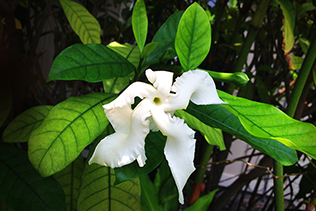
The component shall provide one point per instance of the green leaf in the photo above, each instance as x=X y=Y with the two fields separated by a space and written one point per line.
x=149 y=196
x=193 y=39
x=128 y=51
x=202 y=203
x=165 y=38
x=69 y=127
x=91 y=63
x=20 y=128
x=22 y=188
x=70 y=179
x=297 y=62
x=140 y=24
x=304 y=43
x=82 y=22
x=217 y=116
x=6 y=103
x=213 y=136
x=289 y=23
x=155 y=144
x=98 y=192
x=266 y=121
x=149 y=48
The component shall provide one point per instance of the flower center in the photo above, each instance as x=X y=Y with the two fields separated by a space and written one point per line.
x=157 y=100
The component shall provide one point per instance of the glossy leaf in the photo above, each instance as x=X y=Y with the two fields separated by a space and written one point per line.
x=202 y=203
x=23 y=188
x=70 y=179
x=6 y=103
x=91 y=63
x=149 y=195
x=266 y=121
x=193 y=39
x=20 y=128
x=66 y=131
x=213 y=136
x=82 y=22
x=128 y=51
x=98 y=192
x=289 y=23
x=165 y=38
x=155 y=144
x=217 y=116
x=140 y=24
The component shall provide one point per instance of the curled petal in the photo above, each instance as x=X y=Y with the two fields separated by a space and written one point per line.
x=120 y=118
x=136 y=89
x=179 y=149
x=194 y=85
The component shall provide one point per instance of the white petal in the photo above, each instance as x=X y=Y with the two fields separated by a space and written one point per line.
x=179 y=149
x=194 y=85
x=161 y=80
x=120 y=118
x=136 y=89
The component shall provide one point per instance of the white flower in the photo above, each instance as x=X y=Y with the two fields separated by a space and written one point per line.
x=155 y=112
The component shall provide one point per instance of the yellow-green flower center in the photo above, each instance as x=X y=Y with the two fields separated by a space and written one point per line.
x=157 y=100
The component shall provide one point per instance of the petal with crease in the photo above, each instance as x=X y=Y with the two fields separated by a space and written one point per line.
x=179 y=149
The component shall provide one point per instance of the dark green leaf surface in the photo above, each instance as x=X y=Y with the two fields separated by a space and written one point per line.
x=155 y=144
x=82 y=22
x=23 y=188
x=140 y=24
x=217 y=116
x=149 y=195
x=66 y=131
x=193 y=39
x=70 y=179
x=98 y=192
x=20 y=128
x=165 y=38
x=265 y=121
x=91 y=63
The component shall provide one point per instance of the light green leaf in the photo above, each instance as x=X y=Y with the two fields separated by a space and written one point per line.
x=23 y=188
x=304 y=43
x=289 y=23
x=20 y=128
x=149 y=195
x=266 y=121
x=297 y=62
x=6 y=103
x=213 y=136
x=202 y=203
x=193 y=39
x=140 y=24
x=91 y=63
x=69 y=127
x=149 y=48
x=82 y=22
x=98 y=192
x=128 y=51
x=70 y=179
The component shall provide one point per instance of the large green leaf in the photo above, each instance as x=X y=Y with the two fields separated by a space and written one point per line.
x=193 y=39
x=289 y=23
x=98 y=192
x=140 y=24
x=6 y=103
x=69 y=127
x=165 y=38
x=91 y=63
x=155 y=144
x=128 y=51
x=202 y=203
x=149 y=196
x=217 y=116
x=20 y=128
x=23 y=188
x=70 y=179
x=266 y=121
x=213 y=136
x=82 y=22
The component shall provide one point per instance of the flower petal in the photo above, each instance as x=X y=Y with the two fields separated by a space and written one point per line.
x=161 y=80
x=179 y=149
x=127 y=144
x=194 y=85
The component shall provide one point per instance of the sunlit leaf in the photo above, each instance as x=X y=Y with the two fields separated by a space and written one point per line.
x=202 y=203
x=289 y=23
x=128 y=51
x=70 y=179
x=98 y=192
x=20 y=128
x=217 y=116
x=23 y=188
x=213 y=136
x=266 y=121
x=193 y=39
x=69 y=127
x=91 y=62
x=82 y=22
x=140 y=24
x=297 y=62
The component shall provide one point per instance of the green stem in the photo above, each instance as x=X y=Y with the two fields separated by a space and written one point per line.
x=200 y=172
x=278 y=186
